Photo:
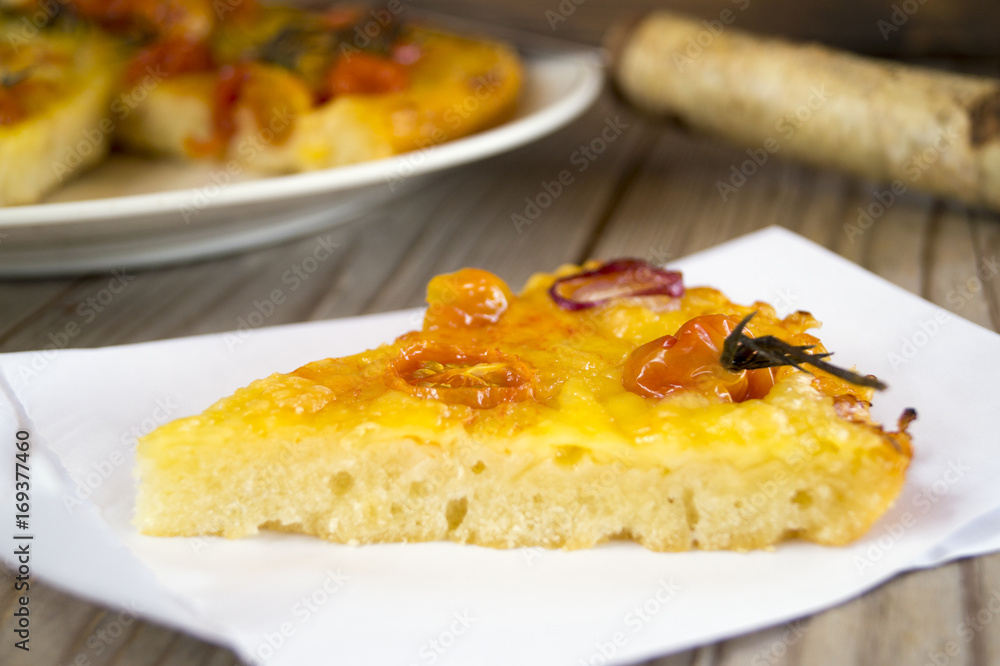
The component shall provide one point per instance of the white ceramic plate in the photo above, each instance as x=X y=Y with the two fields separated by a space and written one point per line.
x=140 y=213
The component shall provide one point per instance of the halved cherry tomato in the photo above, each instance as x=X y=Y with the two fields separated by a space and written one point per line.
x=366 y=74
x=111 y=13
x=11 y=110
x=188 y=18
x=167 y=58
x=476 y=378
x=689 y=360
x=341 y=17
x=228 y=89
x=468 y=297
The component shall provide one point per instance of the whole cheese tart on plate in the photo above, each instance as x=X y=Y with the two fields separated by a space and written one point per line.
x=295 y=91
x=269 y=89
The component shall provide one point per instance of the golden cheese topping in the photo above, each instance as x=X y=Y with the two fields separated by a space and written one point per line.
x=522 y=373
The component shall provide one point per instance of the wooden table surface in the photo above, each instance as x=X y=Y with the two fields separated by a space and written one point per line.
x=652 y=193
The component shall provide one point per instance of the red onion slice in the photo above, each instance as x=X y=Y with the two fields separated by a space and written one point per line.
x=616 y=279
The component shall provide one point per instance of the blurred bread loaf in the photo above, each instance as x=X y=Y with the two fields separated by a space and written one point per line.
x=884 y=121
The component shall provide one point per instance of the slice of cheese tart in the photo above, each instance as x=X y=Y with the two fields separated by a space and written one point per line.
x=604 y=402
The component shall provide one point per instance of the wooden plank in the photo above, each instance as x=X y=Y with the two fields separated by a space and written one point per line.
x=986 y=238
x=685 y=658
x=878 y=27
x=826 y=211
x=978 y=632
x=59 y=628
x=774 y=646
x=672 y=207
x=152 y=644
x=700 y=657
x=149 y=644
x=7 y=592
x=20 y=300
x=906 y=621
x=953 y=280
x=222 y=658
x=911 y=618
x=186 y=650
x=189 y=299
x=832 y=636
x=899 y=238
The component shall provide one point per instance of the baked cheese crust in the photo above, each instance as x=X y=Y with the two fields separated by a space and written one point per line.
x=505 y=422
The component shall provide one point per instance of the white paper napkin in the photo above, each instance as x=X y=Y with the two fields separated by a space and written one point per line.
x=287 y=599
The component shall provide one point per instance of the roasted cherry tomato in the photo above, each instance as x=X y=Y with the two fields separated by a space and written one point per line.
x=11 y=110
x=228 y=89
x=689 y=360
x=342 y=17
x=476 y=378
x=192 y=19
x=467 y=298
x=366 y=74
x=167 y=58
